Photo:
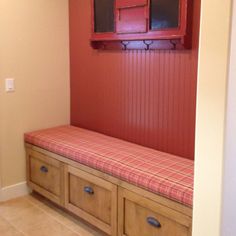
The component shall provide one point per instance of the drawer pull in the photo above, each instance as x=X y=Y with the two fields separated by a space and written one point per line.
x=88 y=190
x=44 y=169
x=153 y=222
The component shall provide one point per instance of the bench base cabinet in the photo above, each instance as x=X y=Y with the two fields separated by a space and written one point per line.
x=111 y=205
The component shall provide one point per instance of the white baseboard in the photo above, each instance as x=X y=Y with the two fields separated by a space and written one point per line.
x=14 y=191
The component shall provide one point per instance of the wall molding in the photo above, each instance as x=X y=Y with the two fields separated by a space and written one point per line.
x=14 y=191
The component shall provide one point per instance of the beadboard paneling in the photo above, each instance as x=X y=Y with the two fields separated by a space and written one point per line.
x=146 y=97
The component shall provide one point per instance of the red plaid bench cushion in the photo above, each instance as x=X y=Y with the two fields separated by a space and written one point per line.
x=158 y=172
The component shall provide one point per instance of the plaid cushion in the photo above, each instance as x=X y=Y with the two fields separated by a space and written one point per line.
x=165 y=174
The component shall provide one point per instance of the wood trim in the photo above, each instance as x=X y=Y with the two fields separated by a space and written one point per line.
x=45 y=193
x=159 y=199
x=14 y=191
x=89 y=218
x=62 y=175
x=87 y=176
x=190 y=231
x=66 y=186
x=114 y=210
x=43 y=157
x=152 y=196
x=27 y=165
x=120 y=212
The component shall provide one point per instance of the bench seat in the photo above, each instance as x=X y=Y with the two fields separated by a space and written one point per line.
x=164 y=174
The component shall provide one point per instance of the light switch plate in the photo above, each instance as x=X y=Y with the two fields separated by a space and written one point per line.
x=10 y=85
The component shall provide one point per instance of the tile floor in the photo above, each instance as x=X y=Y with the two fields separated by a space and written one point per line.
x=33 y=215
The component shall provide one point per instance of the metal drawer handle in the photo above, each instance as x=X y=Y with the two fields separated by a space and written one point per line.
x=44 y=169
x=88 y=190
x=153 y=222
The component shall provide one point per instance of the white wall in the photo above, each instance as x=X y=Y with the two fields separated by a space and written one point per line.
x=229 y=192
x=210 y=118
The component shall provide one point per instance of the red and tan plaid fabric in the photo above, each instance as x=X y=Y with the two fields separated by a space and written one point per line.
x=158 y=172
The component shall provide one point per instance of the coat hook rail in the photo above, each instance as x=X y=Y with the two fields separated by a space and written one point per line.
x=125 y=44
x=148 y=43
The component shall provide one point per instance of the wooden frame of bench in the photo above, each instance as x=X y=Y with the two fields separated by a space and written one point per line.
x=140 y=195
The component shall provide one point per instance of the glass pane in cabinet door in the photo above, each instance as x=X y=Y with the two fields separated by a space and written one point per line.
x=164 y=14
x=103 y=16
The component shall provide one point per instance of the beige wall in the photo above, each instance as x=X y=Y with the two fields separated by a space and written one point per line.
x=210 y=127
x=33 y=50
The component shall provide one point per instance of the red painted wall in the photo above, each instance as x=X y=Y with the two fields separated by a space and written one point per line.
x=146 y=97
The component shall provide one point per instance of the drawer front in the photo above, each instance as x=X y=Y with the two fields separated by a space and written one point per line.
x=140 y=216
x=44 y=175
x=92 y=198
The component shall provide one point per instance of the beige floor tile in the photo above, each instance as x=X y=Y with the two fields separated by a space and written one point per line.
x=10 y=209
x=6 y=229
x=37 y=199
x=52 y=228
x=72 y=222
x=30 y=217
x=34 y=215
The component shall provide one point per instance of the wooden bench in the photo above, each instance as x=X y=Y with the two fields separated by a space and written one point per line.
x=121 y=188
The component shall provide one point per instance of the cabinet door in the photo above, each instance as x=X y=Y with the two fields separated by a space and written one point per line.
x=103 y=16
x=130 y=3
x=164 y=14
x=131 y=16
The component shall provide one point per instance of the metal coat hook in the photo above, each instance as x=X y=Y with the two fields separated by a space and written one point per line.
x=147 y=43
x=174 y=44
x=125 y=44
x=103 y=46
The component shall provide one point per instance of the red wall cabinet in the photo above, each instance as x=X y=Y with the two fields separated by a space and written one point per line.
x=141 y=24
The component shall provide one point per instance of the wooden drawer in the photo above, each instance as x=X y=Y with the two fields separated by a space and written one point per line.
x=139 y=216
x=92 y=198
x=45 y=175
